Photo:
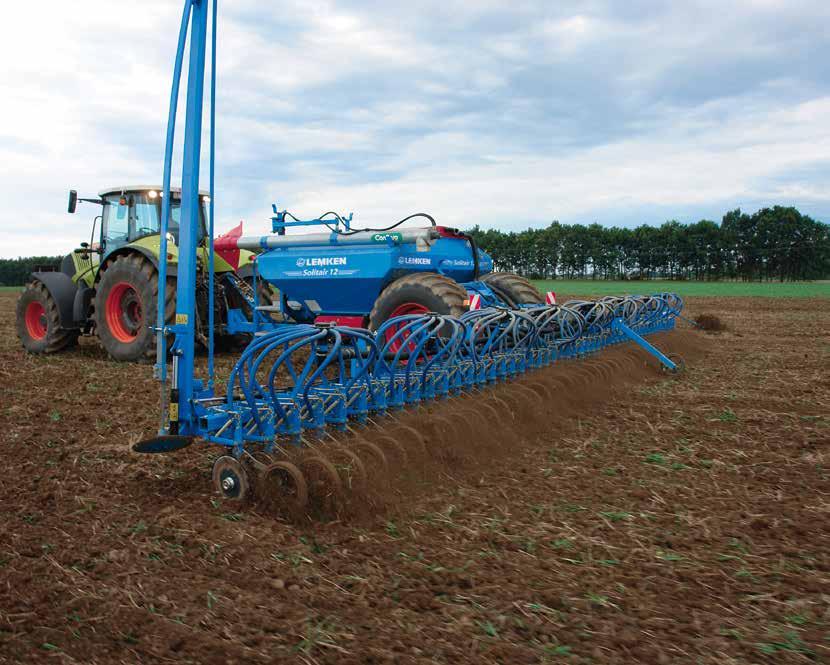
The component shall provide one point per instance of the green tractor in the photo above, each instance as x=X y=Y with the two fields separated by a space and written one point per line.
x=109 y=286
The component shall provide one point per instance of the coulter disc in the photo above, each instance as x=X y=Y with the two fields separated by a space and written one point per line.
x=166 y=443
x=287 y=482
x=323 y=482
x=230 y=478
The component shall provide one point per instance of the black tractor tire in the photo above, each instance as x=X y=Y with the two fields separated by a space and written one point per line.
x=125 y=307
x=39 y=323
x=515 y=289
x=431 y=291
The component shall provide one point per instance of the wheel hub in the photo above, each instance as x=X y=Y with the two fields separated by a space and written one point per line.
x=230 y=478
x=124 y=312
x=35 y=318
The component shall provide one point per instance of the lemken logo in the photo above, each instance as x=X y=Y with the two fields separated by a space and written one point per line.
x=322 y=261
x=414 y=261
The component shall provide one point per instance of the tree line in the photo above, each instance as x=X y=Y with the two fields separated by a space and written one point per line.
x=776 y=243
x=771 y=244
x=15 y=272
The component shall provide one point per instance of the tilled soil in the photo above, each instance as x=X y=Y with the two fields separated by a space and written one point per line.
x=594 y=512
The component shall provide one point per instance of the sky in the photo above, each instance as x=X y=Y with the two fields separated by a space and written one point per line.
x=503 y=114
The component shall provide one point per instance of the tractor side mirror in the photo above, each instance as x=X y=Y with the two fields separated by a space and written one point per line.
x=73 y=200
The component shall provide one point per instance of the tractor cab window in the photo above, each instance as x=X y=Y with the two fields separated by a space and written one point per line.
x=131 y=216
x=146 y=214
x=176 y=218
x=115 y=229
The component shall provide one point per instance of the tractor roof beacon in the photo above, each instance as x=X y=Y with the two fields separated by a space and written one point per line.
x=108 y=286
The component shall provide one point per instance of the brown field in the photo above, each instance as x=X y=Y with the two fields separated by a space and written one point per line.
x=596 y=512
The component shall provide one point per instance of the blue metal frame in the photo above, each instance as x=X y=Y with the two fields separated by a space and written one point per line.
x=297 y=380
x=279 y=223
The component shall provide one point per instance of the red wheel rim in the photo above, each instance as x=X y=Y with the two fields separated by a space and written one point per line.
x=124 y=312
x=36 y=320
x=403 y=310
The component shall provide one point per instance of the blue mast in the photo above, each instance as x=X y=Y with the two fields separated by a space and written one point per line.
x=184 y=385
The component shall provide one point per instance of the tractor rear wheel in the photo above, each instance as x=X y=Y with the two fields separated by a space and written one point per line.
x=418 y=293
x=125 y=307
x=39 y=321
x=517 y=290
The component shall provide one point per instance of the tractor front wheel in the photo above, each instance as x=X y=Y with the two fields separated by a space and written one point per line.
x=39 y=322
x=125 y=307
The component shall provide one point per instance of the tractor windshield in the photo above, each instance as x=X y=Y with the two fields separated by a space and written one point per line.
x=132 y=216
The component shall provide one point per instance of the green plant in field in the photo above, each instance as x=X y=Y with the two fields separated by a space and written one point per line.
x=730 y=632
x=140 y=527
x=788 y=641
x=656 y=458
x=736 y=544
x=556 y=651
x=615 y=515
x=668 y=556
x=727 y=416
x=600 y=600
x=488 y=628
x=313 y=545
x=293 y=559
x=743 y=573
x=528 y=545
x=317 y=634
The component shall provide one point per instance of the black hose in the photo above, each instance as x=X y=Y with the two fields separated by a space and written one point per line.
x=350 y=232
x=474 y=246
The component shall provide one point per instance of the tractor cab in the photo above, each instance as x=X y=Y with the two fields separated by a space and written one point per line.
x=132 y=213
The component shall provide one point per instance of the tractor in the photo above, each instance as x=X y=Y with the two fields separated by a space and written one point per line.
x=109 y=286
